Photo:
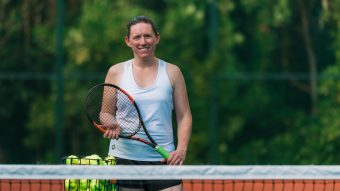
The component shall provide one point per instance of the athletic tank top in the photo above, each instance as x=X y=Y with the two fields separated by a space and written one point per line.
x=155 y=104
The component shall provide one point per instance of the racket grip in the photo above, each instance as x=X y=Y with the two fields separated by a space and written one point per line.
x=165 y=154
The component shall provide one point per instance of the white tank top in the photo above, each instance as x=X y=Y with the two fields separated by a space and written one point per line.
x=155 y=104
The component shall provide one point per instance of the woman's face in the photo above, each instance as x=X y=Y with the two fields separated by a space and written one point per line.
x=142 y=40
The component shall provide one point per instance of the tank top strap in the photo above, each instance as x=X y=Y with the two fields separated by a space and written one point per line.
x=125 y=79
x=163 y=74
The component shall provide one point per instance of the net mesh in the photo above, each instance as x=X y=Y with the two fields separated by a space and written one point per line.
x=214 y=178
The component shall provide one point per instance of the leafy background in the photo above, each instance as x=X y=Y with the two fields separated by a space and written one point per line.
x=262 y=76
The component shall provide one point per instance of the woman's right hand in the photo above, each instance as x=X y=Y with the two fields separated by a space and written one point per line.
x=112 y=131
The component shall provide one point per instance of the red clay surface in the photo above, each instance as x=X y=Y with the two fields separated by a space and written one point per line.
x=194 y=185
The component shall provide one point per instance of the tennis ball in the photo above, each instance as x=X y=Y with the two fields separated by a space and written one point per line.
x=83 y=184
x=94 y=185
x=93 y=159
x=72 y=159
x=102 y=161
x=85 y=160
x=110 y=160
x=71 y=185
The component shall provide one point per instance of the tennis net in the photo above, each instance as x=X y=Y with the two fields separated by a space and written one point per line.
x=195 y=177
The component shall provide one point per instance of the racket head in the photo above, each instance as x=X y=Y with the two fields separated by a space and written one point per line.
x=109 y=105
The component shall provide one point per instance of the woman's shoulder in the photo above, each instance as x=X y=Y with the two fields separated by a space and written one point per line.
x=174 y=72
x=119 y=67
x=115 y=72
x=173 y=69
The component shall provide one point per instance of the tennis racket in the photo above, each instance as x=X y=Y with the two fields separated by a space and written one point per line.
x=109 y=105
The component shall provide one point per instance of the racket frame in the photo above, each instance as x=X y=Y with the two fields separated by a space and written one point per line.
x=152 y=143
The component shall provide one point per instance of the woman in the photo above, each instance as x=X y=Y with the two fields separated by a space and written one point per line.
x=158 y=87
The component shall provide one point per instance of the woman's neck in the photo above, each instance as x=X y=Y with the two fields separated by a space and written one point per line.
x=144 y=63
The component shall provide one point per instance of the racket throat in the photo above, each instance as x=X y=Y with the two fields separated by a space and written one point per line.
x=145 y=142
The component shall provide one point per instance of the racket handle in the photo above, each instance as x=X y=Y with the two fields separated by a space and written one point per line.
x=165 y=154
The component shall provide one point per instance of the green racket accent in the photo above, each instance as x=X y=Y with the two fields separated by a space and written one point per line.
x=162 y=151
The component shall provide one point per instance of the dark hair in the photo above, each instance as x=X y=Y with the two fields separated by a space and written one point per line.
x=140 y=19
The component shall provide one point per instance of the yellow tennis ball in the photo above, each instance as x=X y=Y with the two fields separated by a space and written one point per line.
x=84 y=161
x=93 y=159
x=110 y=160
x=94 y=185
x=72 y=159
x=95 y=156
x=102 y=162
x=84 y=184
x=71 y=184
x=67 y=184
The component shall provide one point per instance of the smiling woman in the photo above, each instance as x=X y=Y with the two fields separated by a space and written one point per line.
x=142 y=40
x=157 y=87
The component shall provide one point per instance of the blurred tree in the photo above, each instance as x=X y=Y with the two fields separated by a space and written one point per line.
x=20 y=51
x=263 y=73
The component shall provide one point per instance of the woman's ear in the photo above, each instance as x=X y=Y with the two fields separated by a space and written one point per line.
x=127 y=41
x=158 y=36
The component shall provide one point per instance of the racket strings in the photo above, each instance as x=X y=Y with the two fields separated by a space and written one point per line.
x=110 y=107
x=127 y=115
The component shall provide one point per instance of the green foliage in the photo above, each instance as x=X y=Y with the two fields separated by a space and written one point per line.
x=232 y=53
